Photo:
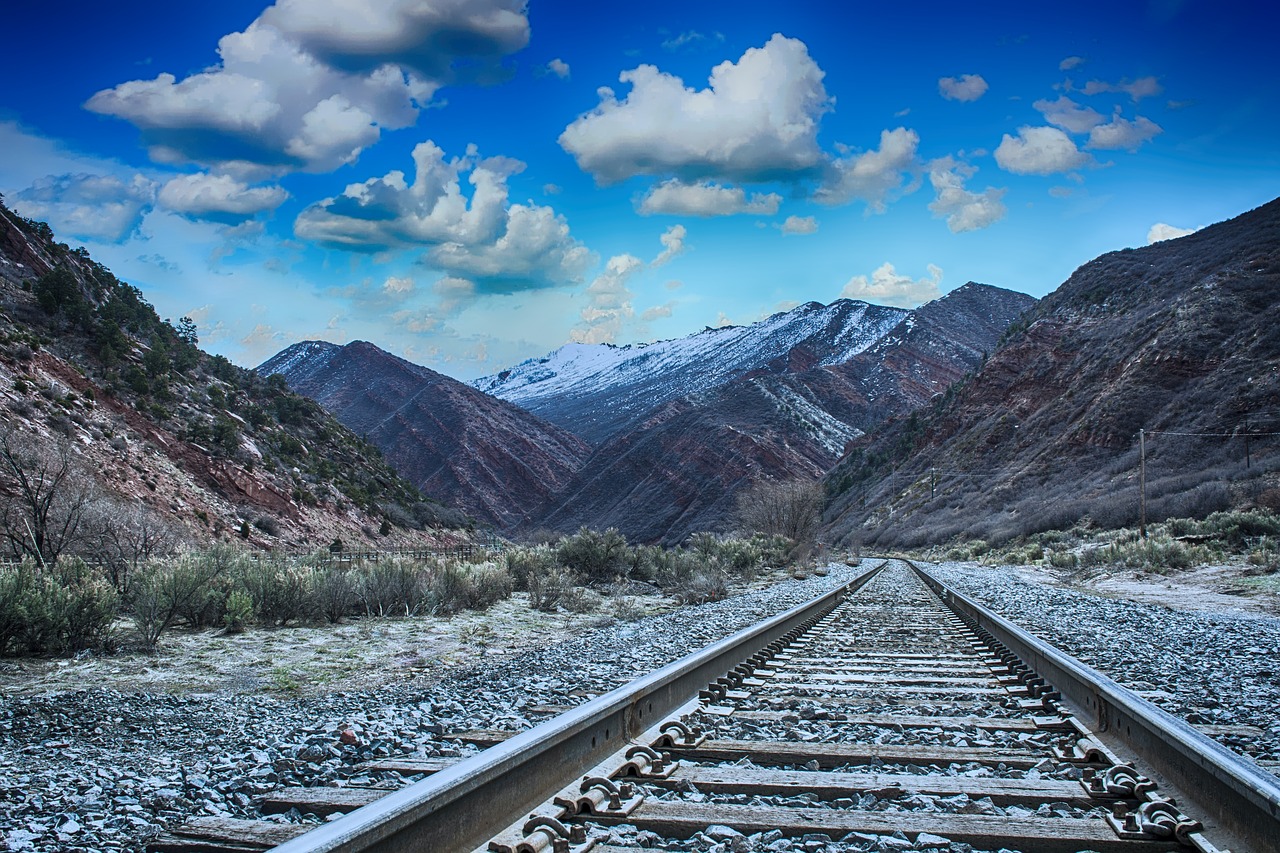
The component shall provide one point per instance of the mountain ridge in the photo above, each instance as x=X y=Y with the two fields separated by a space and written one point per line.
x=1176 y=339
x=486 y=455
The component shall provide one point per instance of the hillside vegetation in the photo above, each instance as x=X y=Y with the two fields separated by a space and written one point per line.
x=119 y=436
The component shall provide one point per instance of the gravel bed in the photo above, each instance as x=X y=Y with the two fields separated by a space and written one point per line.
x=103 y=770
x=725 y=839
x=1208 y=669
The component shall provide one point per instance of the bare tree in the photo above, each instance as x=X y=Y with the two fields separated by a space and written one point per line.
x=790 y=508
x=127 y=535
x=44 y=499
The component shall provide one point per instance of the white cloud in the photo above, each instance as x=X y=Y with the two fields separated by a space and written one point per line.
x=218 y=197
x=608 y=302
x=1161 y=231
x=455 y=294
x=1068 y=115
x=689 y=38
x=967 y=87
x=397 y=285
x=88 y=206
x=1039 y=151
x=672 y=245
x=311 y=83
x=963 y=209
x=757 y=120
x=1138 y=89
x=873 y=176
x=674 y=197
x=559 y=67
x=1070 y=62
x=658 y=312
x=887 y=287
x=1122 y=133
x=799 y=225
x=485 y=237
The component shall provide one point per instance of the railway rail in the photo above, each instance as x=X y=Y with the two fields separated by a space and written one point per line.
x=890 y=713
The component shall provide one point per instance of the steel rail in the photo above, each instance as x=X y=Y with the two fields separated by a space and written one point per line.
x=463 y=806
x=1219 y=787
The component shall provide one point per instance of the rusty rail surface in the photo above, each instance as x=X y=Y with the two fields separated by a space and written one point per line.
x=1219 y=785
x=463 y=806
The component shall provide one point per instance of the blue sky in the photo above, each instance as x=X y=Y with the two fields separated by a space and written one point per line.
x=469 y=184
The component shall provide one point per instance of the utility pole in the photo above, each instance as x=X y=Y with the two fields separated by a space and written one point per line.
x=1246 y=442
x=1142 y=483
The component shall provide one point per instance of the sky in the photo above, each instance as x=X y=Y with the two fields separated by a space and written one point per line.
x=471 y=183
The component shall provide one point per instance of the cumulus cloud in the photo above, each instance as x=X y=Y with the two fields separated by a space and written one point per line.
x=674 y=197
x=311 y=83
x=1039 y=151
x=1070 y=62
x=397 y=285
x=1138 y=89
x=88 y=206
x=1162 y=231
x=484 y=237
x=872 y=176
x=887 y=287
x=756 y=120
x=799 y=225
x=1122 y=133
x=559 y=67
x=964 y=210
x=1068 y=115
x=608 y=302
x=967 y=87
x=672 y=244
x=220 y=198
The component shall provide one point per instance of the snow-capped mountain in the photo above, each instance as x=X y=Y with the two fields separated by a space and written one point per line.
x=682 y=468
x=600 y=390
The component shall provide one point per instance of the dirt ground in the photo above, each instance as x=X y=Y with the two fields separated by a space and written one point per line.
x=1219 y=589
x=303 y=661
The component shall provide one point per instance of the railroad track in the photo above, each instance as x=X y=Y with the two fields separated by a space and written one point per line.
x=891 y=713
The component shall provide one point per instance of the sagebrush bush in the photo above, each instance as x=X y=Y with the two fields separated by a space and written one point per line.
x=55 y=610
x=594 y=556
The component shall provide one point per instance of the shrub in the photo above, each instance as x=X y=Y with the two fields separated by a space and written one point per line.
x=524 y=563
x=267 y=524
x=57 y=610
x=550 y=588
x=335 y=592
x=393 y=588
x=239 y=612
x=594 y=556
x=160 y=593
x=281 y=593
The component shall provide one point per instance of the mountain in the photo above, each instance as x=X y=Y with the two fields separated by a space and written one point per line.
x=599 y=391
x=1177 y=339
x=157 y=441
x=488 y=456
x=682 y=468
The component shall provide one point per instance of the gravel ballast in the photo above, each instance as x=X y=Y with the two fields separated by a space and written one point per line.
x=97 y=769
x=1209 y=669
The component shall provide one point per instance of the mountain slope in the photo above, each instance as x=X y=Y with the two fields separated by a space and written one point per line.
x=1177 y=339
x=485 y=455
x=599 y=391
x=681 y=470
x=164 y=440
